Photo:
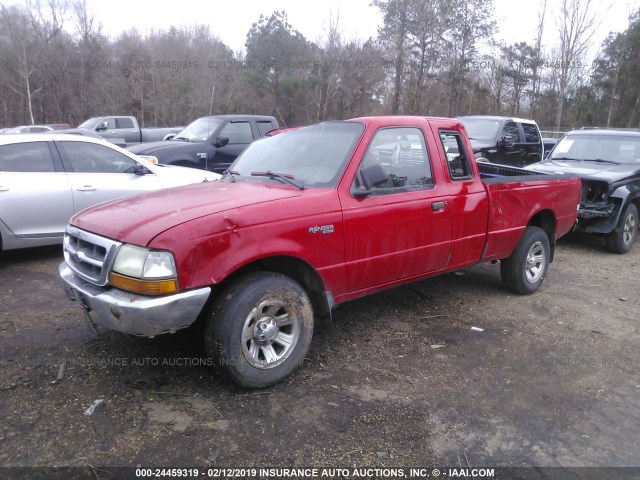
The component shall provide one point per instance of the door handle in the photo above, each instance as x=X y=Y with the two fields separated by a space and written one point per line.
x=114 y=132
x=87 y=188
x=3 y=188
x=438 y=206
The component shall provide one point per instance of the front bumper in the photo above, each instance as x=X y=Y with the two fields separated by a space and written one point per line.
x=132 y=313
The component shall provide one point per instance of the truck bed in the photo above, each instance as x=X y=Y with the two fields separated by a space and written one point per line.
x=510 y=190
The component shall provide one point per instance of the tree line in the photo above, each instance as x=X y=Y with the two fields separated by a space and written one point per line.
x=430 y=57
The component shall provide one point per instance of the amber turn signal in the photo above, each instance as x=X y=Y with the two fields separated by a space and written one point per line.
x=144 y=287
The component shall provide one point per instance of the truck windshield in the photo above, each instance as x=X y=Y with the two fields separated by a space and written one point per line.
x=313 y=156
x=90 y=124
x=598 y=148
x=199 y=130
x=483 y=129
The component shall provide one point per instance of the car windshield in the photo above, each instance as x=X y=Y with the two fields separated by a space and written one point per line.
x=313 y=156
x=599 y=147
x=483 y=129
x=199 y=130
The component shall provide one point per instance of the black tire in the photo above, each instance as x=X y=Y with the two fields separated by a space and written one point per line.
x=524 y=271
x=250 y=325
x=622 y=238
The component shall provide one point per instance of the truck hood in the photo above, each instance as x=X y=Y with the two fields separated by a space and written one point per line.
x=587 y=170
x=140 y=218
x=165 y=147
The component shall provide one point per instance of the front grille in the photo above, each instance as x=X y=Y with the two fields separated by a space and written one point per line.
x=90 y=256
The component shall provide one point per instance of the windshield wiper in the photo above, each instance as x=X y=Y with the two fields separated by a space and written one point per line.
x=232 y=174
x=285 y=177
x=182 y=139
x=566 y=158
x=600 y=160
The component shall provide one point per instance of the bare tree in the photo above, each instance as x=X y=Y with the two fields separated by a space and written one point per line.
x=577 y=23
x=536 y=67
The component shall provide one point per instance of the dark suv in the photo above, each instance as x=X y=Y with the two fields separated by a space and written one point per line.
x=608 y=162
x=504 y=140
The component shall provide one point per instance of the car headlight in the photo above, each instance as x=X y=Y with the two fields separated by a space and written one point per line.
x=140 y=270
x=149 y=158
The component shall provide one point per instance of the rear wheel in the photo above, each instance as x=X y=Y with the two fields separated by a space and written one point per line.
x=259 y=329
x=622 y=238
x=524 y=271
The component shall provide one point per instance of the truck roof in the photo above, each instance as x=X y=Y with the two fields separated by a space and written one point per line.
x=241 y=117
x=497 y=117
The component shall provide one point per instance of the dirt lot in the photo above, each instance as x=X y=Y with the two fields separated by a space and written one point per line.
x=552 y=380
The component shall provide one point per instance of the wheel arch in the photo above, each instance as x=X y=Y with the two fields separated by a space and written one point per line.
x=297 y=269
x=546 y=220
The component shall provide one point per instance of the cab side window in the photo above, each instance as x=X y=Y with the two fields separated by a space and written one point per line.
x=458 y=159
x=238 y=132
x=402 y=153
x=110 y=123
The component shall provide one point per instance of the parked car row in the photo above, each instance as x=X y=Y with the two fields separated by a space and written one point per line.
x=609 y=205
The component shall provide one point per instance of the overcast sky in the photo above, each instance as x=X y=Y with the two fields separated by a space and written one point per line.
x=231 y=20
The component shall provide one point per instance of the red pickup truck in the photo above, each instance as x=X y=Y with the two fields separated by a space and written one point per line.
x=304 y=221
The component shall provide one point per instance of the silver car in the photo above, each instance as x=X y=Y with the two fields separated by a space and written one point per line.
x=46 y=178
x=29 y=129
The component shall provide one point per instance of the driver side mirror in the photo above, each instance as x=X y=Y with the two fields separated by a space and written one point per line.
x=102 y=127
x=507 y=141
x=140 y=169
x=221 y=141
x=371 y=176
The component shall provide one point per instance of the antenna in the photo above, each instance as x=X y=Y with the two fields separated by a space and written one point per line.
x=213 y=89
x=206 y=160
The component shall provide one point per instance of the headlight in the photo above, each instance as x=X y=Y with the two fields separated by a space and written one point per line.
x=140 y=270
x=149 y=158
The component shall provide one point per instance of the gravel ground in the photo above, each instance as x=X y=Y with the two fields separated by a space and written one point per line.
x=551 y=380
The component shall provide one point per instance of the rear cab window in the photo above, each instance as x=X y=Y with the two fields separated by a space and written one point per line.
x=458 y=160
x=265 y=127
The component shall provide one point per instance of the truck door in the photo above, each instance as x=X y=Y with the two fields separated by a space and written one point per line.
x=401 y=228
x=469 y=203
x=127 y=129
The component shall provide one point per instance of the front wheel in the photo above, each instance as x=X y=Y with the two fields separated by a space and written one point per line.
x=622 y=238
x=259 y=329
x=524 y=271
